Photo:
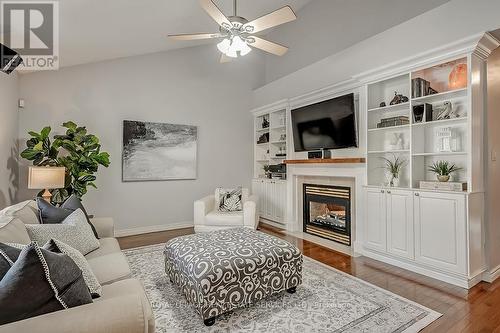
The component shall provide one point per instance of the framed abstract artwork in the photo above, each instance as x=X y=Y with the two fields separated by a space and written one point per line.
x=158 y=151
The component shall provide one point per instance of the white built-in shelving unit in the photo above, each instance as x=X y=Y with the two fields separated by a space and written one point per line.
x=271 y=192
x=267 y=153
x=418 y=146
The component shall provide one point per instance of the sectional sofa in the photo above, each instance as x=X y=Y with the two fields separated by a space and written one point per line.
x=123 y=306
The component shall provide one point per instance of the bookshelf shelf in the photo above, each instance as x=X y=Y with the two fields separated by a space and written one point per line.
x=447 y=95
x=388 y=128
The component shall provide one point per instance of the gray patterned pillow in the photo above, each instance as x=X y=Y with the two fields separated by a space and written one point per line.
x=59 y=247
x=74 y=231
x=228 y=200
x=82 y=263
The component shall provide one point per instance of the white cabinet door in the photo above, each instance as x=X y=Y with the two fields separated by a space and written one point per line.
x=400 y=223
x=269 y=205
x=258 y=189
x=375 y=228
x=280 y=200
x=440 y=230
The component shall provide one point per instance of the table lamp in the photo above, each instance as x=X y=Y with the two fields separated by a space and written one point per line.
x=45 y=178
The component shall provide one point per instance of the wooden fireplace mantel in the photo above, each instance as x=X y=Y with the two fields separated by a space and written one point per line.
x=340 y=160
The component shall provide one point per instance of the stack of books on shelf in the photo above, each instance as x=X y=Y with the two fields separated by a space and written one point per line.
x=393 y=121
x=421 y=87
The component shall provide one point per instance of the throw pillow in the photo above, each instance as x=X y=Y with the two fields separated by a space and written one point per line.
x=26 y=211
x=74 y=231
x=50 y=214
x=39 y=282
x=8 y=256
x=14 y=231
x=93 y=284
x=229 y=200
x=73 y=203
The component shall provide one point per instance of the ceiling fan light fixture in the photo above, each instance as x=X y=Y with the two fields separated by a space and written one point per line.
x=234 y=47
x=224 y=45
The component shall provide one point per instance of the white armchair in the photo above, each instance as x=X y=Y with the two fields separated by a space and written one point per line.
x=208 y=218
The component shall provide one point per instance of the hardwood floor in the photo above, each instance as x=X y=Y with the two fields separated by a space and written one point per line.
x=476 y=310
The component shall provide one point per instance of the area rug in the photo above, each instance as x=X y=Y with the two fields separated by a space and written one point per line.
x=327 y=301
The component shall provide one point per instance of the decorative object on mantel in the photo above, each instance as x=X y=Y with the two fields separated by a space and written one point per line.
x=443 y=170
x=458 y=77
x=394 y=168
x=382 y=105
x=158 y=151
x=338 y=160
x=447 y=139
x=398 y=99
x=443 y=186
x=322 y=153
x=81 y=157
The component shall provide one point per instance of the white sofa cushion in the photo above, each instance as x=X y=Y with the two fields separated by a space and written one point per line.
x=74 y=231
x=26 y=211
x=110 y=268
x=217 y=218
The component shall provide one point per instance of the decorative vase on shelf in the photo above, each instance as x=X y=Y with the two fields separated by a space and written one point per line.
x=443 y=178
x=393 y=180
x=458 y=77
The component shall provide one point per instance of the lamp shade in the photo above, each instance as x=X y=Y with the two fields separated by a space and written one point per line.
x=46 y=177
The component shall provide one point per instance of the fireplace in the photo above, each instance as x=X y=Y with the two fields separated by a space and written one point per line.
x=327 y=212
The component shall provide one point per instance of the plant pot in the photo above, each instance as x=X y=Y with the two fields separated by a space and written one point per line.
x=443 y=178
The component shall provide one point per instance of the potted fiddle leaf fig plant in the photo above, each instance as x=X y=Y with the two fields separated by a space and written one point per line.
x=443 y=170
x=76 y=150
x=393 y=168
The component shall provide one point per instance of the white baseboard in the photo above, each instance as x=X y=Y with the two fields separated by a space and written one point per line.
x=491 y=275
x=152 y=228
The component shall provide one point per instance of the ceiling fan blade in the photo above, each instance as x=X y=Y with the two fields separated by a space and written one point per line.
x=224 y=58
x=280 y=16
x=268 y=46
x=195 y=36
x=214 y=12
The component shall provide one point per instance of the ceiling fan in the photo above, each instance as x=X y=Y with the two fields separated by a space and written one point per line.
x=237 y=33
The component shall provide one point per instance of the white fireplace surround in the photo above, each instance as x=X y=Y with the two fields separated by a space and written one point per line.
x=349 y=175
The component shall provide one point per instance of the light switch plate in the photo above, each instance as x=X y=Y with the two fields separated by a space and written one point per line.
x=493 y=155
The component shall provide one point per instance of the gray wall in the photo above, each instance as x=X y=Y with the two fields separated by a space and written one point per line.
x=186 y=86
x=8 y=139
x=325 y=27
x=493 y=167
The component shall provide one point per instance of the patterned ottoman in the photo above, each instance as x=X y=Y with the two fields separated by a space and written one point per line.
x=223 y=270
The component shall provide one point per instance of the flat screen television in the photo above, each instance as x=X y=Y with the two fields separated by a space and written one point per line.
x=329 y=124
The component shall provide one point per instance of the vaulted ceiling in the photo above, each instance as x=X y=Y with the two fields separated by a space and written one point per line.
x=95 y=30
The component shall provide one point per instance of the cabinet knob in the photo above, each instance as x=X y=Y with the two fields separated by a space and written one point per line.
x=417 y=194
x=382 y=191
x=388 y=192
